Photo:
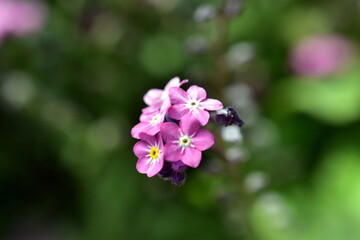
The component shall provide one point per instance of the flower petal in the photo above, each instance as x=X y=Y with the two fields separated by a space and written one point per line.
x=145 y=128
x=183 y=82
x=178 y=111
x=141 y=148
x=146 y=117
x=178 y=95
x=211 y=104
x=151 y=169
x=196 y=92
x=152 y=130
x=150 y=109
x=150 y=140
x=172 y=152
x=201 y=115
x=153 y=96
x=156 y=167
x=191 y=157
x=174 y=82
x=170 y=132
x=189 y=125
x=141 y=165
x=160 y=142
x=138 y=128
x=203 y=140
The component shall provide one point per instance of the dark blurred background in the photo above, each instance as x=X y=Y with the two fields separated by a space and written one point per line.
x=72 y=78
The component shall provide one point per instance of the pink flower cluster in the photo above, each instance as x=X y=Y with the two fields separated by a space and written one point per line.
x=20 y=18
x=170 y=128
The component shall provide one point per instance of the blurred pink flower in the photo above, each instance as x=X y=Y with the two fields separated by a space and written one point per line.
x=20 y=18
x=320 y=55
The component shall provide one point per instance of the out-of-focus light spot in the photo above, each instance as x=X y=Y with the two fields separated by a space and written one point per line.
x=59 y=113
x=106 y=31
x=265 y=134
x=204 y=13
x=197 y=45
x=232 y=134
x=255 y=181
x=104 y=134
x=274 y=206
x=17 y=89
x=240 y=97
x=240 y=54
x=235 y=154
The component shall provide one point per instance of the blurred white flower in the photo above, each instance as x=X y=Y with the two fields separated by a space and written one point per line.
x=240 y=97
x=204 y=13
x=275 y=207
x=231 y=134
x=240 y=54
x=255 y=181
x=235 y=154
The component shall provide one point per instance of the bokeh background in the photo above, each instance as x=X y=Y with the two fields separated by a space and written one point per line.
x=72 y=78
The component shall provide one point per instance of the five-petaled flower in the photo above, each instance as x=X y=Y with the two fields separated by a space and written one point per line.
x=149 y=123
x=150 y=152
x=192 y=104
x=186 y=142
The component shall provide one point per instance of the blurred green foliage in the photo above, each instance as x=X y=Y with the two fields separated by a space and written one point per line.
x=70 y=93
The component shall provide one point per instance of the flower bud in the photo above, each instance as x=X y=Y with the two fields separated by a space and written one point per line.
x=178 y=178
x=166 y=170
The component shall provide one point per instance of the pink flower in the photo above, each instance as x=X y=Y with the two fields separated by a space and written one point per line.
x=186 y=142
x=149 y=123
x=20 y=18
x=320 y=55
x=192 y=104
x=150 y=153
x=157 y=98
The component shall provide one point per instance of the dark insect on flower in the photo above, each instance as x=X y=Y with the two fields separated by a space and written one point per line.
x=228 y=116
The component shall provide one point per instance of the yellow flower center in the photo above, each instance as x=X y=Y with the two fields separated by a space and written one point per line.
x=154 y=153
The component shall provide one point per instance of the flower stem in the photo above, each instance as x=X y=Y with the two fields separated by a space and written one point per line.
x=219 y=50
x=220 y=80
